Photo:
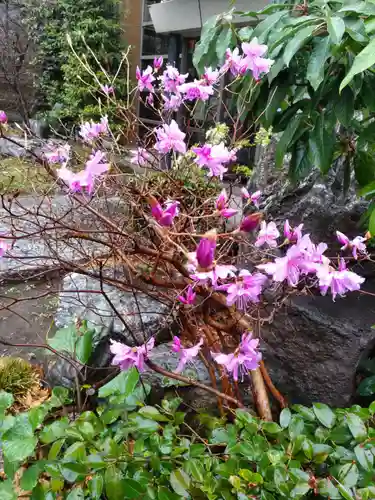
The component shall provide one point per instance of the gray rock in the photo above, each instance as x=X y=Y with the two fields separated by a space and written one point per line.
x=142 y=315
x=313 y=347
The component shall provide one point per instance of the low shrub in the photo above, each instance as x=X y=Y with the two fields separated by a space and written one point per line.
x=127 y=449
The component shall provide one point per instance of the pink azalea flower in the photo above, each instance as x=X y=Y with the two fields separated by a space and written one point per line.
x=268 y=234
x=158 y=63
x=171 y=78
x=3 y=117
x=292 y=234
x=172 y=103
x=205 y=252
x=59 y=154
x=91 y=130
x=145 y=79
x=340 y=281
x=357 y=245
x=247 y=288
x=170 y=137
x=213 y=157
x=250 y=222
x=245 y=358
x=222 y=206
x=210 y=76
x=253 y=60
x=164 y=217
x=107 y=89
x=126 y=357
x=85 y=179
x=189 y=297
x=285 y=268
x=150 y=99
x=221 y=272
x=254 y=198
x=234 y=62
x=140 y=157
x=195 y=91
x=186 y=355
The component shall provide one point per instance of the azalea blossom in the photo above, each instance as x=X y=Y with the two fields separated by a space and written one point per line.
x=164 y=216
x=158 y=63
x=189 y=297
x=172 y=103
x=339 y=281
x=218 y=271
x=205 y=252
x=292 y=234
x=107 y=89
x=247 y=288
x=171 y=78
x=58 y=155
x=268 y=234
x=85 y=179
x=244 y=359
x=250 y=222
x=195 y=91
x=253 y=60
x=357 y=245
x=140 y=157
x=222 y=205
x=254 y=198
x=150 y=99
x=145 y=79
x=210 y=76
x=234 y=62
x=126 y=357
x=170 y=137
x=3 y=117
x=214 y=158
x=91 y=130
x=186 y=354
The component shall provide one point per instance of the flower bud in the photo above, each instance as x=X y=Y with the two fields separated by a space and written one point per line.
x=206 y=252
x=3 y=117
x=250 y=222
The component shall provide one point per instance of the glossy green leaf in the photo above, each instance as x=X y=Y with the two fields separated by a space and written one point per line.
x=194 y=467
x=54 y=431
x=324 y=414
x=208 y=33
x=271 y=427
x=336 y=28
x=7 y=491
x=315 y=69
x=76 y=494
x=365 y=457
x=165 y=494
x=348 y=475
x=30 y=477
x=297 y=42
x=344 y=107
x=363 y=61
x=296 y=426
x=285 y=417
x=180 y=482
x=223 y=43
x=6 y=400
x=286 y=139
x=124 y=383
x=356 y=426
x=84 y=346
x=371 y=228
x=300 y=490
x=264 y=27
x=153 y=413
x=345 y=493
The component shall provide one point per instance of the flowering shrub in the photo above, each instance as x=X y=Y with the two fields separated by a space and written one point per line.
x=178 y=244
x=128 y=449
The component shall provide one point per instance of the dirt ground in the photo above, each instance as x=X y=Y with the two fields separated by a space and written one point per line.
x=28 y=321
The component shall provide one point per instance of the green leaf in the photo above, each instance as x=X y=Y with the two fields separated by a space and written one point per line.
x=271 y=427
x=285 y=417
x=300 y=490
x=324 y=414
x=76 y=494
x=18 y=449
x=55 y=449
x=95 y=486
x=297 y=42
x=165 y=494
x=208 y=33
x=84 y=346
x=364 y=167
x=322 y=143
x=30 y=477
x=6 y=400
x=286 y=139
x=276 y=96
x=54 y=431
x=365 y=8
x=264 y=27
x=336 y=28
x=64 y=340
x=124 y=383
x=37 y=416
x=363 y=61
x=319 y=55
x=308 y=448
x=143 y=424
x=344 y=492
x=344 y=107
x=195 y=468
x=371 y=228
x=372 y=408
x=133 y=489
x=348 y=475
x=223 y=42
x=327 y=488
x=180 y=482
x=245 y=33
x=296 y=426
x=114 y=486
x=153 y=413
x=356 y=426
x=356 y=30
x=365 y=457
x=306 y=412
x=7 y=491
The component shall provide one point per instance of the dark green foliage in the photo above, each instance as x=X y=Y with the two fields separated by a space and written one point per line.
x=127 y=449
x=67 y=89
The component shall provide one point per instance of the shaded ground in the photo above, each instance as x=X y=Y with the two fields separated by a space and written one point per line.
x=28 y=321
